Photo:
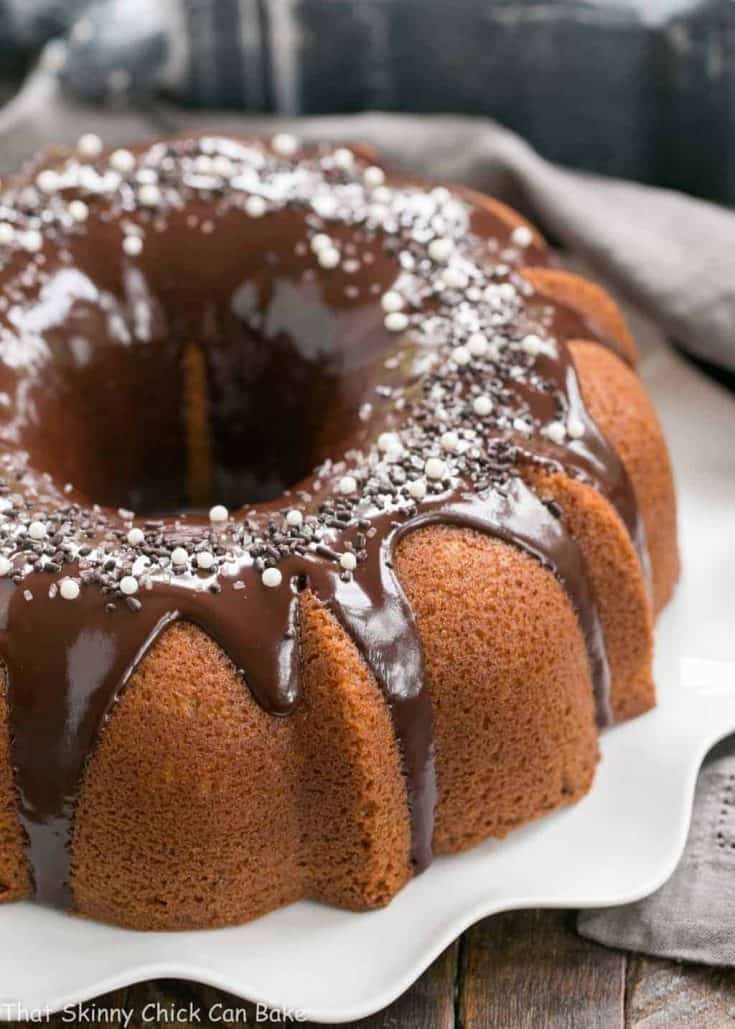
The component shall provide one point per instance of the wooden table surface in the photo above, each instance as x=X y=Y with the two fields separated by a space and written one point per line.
x=519 y=970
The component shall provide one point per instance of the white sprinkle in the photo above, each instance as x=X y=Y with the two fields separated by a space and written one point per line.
x=441 y=195
x=128 y=585
x=89 y=145
x=454 y=278
x=435 y=468
x=132 y=245
x=477 y=344
x=136 y=537
x=396 y=321
x=388 y=441
x=222 y=166
x=321 y=242
x=69 y=589
x=78 y=210
x=7 y=233
x=122 y=161
x=37 y=530
x=255 y=206
x=373 y=176
x=347 y=485
x=218 y=513
x=532 y=344
x=325 y=205
x=149 y=195
x=449 y=441
x=48 y=181
x=31 y=240
x=461 y=356
x=140 y=565
x=575 y=426
x=271 y=577
x=506 y=291
x=284 y=144
x=392 y=301
x=382 y=195
x=294 y=518
x=482 y=405
x=348 y=561
x=343 y=158
x=522 y=236
x=203 y=164
x=179 y=556
x=417 y=489
x=556 y=432
x=6 y=566
x=205 y=559
x=441 y=249
x=328 y=257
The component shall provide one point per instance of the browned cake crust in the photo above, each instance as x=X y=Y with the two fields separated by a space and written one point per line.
x=198 y=808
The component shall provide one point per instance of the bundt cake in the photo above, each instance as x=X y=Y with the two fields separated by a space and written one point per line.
x=333 y=524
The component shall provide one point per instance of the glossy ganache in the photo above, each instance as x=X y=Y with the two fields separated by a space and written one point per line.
x=372 y=360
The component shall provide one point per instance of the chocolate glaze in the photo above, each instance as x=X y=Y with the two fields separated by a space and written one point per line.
x=272 y=328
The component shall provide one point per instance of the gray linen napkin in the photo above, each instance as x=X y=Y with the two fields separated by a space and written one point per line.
x=669 y=254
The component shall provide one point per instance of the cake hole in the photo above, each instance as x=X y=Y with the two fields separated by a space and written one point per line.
x=163 y=427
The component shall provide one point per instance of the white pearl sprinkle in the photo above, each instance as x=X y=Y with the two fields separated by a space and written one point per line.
x=477 y=344
x=69 y=589
x=6 y=566
x=482 y=405
x=136 y=537
x=348 y=561
x=373 y=176
x=222 y=166
x=203 y=164
x=128 y=585
x=347 y=485
x=284 y=144
x=37 y=530
x=441 y=249
x=382 y=195
x=149 y=195
x=506 y=291
x=556 y=432
x=255 y=206
x=328 y=257
x=7 y=233
x=449 y=441
x=89 y=145
x=532 y=344
x=218 y=513
x=454 y=278
x=205 y=559
x=441 y=195
x=294 y=518
x=417 y=489
x=271 y=577
x=461 y=356
x=575 y=426
x=321 y=242
x=48 y=181
x=396 y=321
x=343 y=158
x=521 y=236
x=392 y=301
x=435 y=468
x=388 y=441
x=78 y=210
x=179 y=556
x=122 y=161
x=132 y=245
x=31 y=240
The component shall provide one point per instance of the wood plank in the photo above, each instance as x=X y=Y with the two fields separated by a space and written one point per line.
x=668 y=995
x=531 y=969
